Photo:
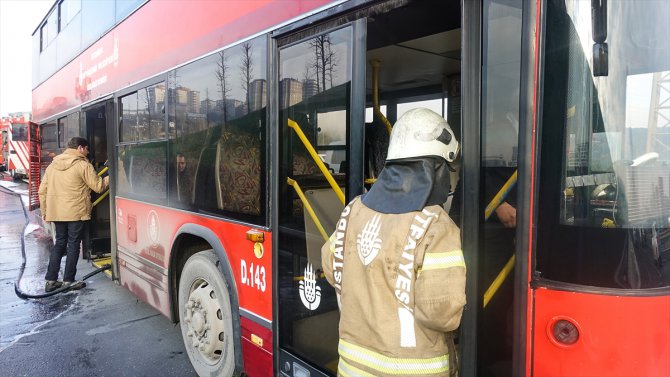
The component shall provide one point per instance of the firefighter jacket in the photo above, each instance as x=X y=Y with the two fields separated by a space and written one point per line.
x=65 y=190
x=400 y=280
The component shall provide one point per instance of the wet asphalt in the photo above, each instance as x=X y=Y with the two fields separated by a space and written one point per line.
x=102 y=330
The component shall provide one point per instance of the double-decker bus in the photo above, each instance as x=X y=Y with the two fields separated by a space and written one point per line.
x=235 y=132
x=15 y=151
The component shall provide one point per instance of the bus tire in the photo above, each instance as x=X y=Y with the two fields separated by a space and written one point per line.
x=205 y=316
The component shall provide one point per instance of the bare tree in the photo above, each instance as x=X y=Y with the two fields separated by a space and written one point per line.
x=146 y=111
x=307 y=73
x=247 y=71
x=324 y=61
x=224 y=87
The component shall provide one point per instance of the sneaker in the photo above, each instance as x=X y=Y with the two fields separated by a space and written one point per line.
x=74 y=285
x=52 y=285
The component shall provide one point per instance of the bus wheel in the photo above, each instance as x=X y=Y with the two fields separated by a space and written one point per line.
x=206 y=316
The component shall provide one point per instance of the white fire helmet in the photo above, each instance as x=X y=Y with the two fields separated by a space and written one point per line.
x=419 y=133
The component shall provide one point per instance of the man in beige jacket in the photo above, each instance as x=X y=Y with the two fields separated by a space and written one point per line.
x=65 y=200
x=395 y=260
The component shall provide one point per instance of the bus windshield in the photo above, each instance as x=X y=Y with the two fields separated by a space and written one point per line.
x=606 y=98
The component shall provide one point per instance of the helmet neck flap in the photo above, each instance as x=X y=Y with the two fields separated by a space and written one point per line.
x=408 y=185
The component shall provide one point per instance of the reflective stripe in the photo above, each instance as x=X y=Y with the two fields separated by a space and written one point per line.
x=407 y=334
x=347 y=370
x=435 y=261
x=392 y=365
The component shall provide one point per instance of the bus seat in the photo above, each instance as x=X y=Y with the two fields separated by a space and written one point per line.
x=376 y=147
x=239 y=172
x=206 y=193
x=328 y=208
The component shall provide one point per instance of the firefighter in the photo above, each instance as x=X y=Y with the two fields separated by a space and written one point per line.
x=395 y=260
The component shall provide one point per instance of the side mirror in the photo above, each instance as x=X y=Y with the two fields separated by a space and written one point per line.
x=599 y=35
x=600 y=59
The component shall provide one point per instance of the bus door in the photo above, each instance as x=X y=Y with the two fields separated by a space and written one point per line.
x=411 y=55
x=94 y=125
x=317 y=119
x=490 y=162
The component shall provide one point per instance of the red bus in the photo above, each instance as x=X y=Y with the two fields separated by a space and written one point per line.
x=15 y=146
x=236 y=130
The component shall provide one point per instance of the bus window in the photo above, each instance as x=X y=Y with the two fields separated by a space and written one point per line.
x=331 y=139
x=49 y=136
x=217 y=112
x=142 y=114
x=141 y=171
x=62 y=126
x=434 y=104
x=369 y=113
x=501 y=70
x=314 y=94
x=128 y=123
x=74 y=127
x=608 y=211
x=150 y=112
x=142 y=164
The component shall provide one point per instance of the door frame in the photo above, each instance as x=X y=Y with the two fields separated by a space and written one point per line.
x=528 y=167
x=355 y=150
x=471 y=91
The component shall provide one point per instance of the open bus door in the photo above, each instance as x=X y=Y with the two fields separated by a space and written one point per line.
x=330 y=150
x=34 y=176
x=94 y=121
x=316 y=127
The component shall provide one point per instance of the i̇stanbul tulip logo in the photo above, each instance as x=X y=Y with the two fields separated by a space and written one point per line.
x=310 y=293
x=153 y=227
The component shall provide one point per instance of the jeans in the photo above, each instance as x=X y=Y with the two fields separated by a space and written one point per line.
x=68 y=238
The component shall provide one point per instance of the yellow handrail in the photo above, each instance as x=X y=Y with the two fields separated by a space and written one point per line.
x=296 y=127
x=507 y=269
x=100 y=173
x=375 y=95
x=497 y=282
x=500 y=196
x=308 y=207
x=100 y=198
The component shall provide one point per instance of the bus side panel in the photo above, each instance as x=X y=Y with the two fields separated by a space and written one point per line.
x=136 y=49
x=145 y=233
x=256 y=349
x=618 y=336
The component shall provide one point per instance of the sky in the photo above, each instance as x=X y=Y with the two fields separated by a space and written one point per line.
x=18 y=19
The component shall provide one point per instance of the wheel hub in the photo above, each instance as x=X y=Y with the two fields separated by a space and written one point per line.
x=205 y=329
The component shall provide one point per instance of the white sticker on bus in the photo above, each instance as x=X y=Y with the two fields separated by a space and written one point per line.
x=310 y=293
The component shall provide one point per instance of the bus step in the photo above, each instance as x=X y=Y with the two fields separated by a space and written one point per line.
x=100 y=247
x=99 y=262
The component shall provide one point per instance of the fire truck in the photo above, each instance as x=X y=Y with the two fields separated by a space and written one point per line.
x=15 y=146
x=4 y=147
